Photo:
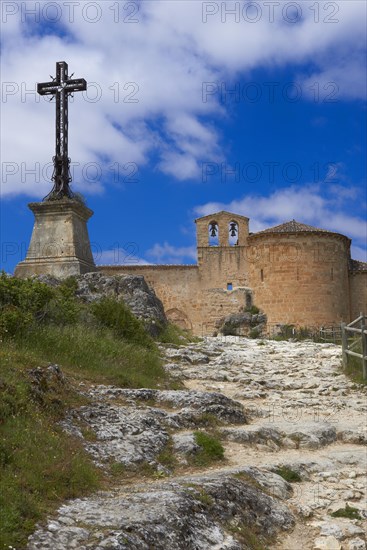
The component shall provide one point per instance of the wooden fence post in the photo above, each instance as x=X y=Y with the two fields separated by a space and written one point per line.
x=364 y=348
x=344 y=346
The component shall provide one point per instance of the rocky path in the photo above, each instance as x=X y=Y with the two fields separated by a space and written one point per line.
x=278 y=407
x=304 y=414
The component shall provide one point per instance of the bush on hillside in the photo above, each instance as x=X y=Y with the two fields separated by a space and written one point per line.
x=27 y=301
x=117 y=317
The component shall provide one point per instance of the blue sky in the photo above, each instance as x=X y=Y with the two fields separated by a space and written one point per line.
x=192 y=107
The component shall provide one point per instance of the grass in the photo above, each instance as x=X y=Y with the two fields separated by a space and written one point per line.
x=249 y=480
x=40 y=465
x=248 y=536
x=127 y=472
x=354 y=367
x=199 y=493
x=288 y=474
x=176 y=336
x=211 y=449
x=93 y=355
x=348 y=512
x=167 y=456
x=208 y=420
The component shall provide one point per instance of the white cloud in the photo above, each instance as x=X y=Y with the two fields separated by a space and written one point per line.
x=169 y=254
x=166 y=56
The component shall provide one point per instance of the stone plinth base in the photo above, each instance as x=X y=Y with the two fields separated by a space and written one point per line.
x=60 y=242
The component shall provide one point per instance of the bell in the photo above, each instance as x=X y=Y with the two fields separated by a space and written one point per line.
x=213 y=230
x=233 y=229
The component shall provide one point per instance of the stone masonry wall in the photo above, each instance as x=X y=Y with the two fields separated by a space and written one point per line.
x=301 y=279
x=219 y=266
x=187 y=299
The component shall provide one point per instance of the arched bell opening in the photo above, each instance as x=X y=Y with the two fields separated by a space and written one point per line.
x=233 y=233
x=213 y=234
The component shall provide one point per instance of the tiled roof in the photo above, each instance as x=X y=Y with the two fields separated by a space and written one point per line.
x=356 y=265
x=293 y=227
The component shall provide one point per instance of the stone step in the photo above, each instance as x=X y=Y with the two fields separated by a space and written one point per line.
x=307 y=436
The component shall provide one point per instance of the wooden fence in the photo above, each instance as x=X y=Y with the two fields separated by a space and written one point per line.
x=348 y=347
x=330 y=334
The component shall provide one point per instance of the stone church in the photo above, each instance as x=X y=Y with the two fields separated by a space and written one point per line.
x=297 y=274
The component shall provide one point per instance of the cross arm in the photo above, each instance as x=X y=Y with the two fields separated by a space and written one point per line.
x=47 y=88
x=76 y=85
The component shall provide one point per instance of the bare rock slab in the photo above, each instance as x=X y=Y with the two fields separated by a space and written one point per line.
x=196 y=515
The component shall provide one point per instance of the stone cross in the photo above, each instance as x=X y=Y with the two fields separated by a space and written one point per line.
x=61 y=87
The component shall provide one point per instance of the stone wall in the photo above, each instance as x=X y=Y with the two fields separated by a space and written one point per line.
x=301 y=278
x=187 y=298
x=220 y=266
x=175 y=285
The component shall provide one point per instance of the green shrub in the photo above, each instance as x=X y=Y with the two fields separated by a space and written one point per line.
x=288 y=474
x=24 y=301
x=13 y=321
x=284 y=333
x=28 y=295
x=211 y=449
x=229 y=329
x=172 y=334
x=62 y=310
x=348 y=512
x=254 y=310
x=116 y=316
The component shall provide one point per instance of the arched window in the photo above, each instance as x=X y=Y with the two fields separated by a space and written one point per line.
x=213 y=232
x=233 y=233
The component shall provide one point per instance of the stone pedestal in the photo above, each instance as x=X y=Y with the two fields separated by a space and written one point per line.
x=60 y=242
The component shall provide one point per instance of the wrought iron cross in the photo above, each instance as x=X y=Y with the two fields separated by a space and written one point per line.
x=61 y=87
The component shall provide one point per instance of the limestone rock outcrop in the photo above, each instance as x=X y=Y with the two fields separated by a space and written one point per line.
x=243 y=323
x=132 y=289
x=204 y=512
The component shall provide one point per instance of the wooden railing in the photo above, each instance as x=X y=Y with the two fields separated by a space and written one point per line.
x=331 y=334
x=349 y=347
